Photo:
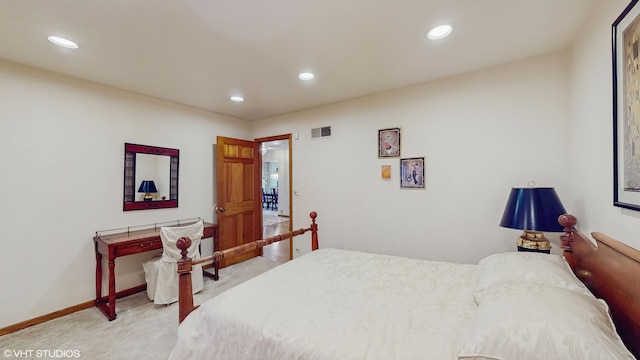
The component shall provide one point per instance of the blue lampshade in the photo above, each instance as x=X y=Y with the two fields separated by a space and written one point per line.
x=535 y=209
x=147 y=186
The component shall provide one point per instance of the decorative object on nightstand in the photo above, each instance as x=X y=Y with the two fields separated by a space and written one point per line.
x=534 y=210
x=148 y=187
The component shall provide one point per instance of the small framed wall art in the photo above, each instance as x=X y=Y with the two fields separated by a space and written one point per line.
x=389 y=142
x=386 y=172
x=412 y=173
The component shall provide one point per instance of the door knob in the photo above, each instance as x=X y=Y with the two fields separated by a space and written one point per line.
x=221 y=209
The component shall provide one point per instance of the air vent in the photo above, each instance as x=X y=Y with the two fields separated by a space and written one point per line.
x=321 y=132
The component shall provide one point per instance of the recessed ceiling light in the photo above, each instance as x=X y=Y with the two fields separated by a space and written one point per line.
x=306 y=76
x=237 y=98
x=439 y=32
x=63 y=42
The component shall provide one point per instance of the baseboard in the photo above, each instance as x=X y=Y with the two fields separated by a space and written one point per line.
x=47 y=317
x=70 y=310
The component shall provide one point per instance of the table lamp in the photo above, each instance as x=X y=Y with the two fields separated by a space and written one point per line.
x=148 y=187
x=534 y=210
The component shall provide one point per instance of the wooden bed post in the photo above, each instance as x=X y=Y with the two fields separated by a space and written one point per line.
x=568 y=222
x=185 y=294
x=314 y=231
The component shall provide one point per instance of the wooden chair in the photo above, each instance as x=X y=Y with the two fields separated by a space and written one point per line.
x=274 y=198
x=265 y=200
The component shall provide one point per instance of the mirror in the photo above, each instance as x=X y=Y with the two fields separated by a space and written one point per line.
x=150 y=177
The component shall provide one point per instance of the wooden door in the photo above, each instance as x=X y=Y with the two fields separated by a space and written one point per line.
x=238 y=196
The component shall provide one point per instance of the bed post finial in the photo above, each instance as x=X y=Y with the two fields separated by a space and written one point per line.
x=183 y=244
x=314 y=231
x=568 y=222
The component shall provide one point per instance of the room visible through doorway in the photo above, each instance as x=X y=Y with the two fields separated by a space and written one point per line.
x=275 y=196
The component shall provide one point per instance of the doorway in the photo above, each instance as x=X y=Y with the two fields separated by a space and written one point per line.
x=276 y=204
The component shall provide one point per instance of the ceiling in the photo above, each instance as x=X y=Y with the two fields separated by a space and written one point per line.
x=201 y=52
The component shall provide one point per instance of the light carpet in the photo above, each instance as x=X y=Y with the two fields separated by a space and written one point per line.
x=142 y=330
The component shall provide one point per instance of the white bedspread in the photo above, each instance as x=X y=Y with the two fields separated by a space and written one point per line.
x=337 y=304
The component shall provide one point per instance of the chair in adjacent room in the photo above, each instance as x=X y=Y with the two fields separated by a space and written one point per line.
x=161 y=273
x=274 y=198
x=266 y=201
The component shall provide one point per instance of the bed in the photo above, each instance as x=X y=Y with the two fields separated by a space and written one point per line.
x=341 y=304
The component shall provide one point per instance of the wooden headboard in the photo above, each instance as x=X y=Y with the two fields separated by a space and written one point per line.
x=611 y=270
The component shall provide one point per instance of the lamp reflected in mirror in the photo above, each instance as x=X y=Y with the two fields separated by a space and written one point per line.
x=148 y=187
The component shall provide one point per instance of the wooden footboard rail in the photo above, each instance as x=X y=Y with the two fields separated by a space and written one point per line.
x=185 y=292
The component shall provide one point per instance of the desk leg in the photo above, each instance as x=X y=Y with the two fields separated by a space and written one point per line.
x=98 y=277
x=214 y=276
x=108 y=304
x=112 y=289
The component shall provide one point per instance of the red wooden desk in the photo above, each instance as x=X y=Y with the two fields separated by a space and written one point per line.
x=129 y=243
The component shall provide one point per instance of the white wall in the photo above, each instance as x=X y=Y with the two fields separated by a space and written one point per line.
x=480 y=133
x=62 y=144
x=592 y=132
x=547 y=119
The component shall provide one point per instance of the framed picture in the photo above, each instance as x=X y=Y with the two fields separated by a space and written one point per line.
x=385 y=173
x=626 y=109
x=412 y=173
x=389 y=142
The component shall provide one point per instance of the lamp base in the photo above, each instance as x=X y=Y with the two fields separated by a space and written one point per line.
x=148 y=197
x=533 y=241
x=520 y=248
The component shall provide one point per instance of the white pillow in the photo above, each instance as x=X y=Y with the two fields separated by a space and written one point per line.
x=526 y=267
x=531 y=321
